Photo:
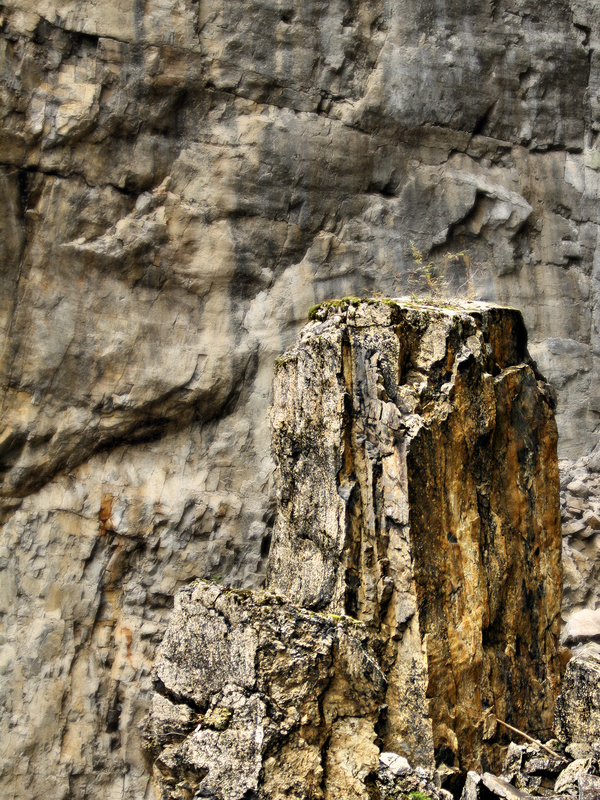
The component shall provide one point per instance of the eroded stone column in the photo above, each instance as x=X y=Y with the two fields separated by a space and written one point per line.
x=418 y=480
x=414 y=578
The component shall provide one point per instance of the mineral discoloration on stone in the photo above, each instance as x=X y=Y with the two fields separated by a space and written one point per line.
x=418 y=484
x=180 y=181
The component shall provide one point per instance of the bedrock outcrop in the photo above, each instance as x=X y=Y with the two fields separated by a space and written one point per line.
x=418 y=492
x=180 y=181
x=415 y=568
x=578 y=706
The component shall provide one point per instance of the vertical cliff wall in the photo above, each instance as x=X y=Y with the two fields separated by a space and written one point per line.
x=180 y=182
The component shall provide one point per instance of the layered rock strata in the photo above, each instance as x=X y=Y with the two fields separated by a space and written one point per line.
x=418 y=539
x=418 y=492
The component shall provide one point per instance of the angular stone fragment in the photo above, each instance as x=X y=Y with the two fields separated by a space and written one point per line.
x=418 y=492
x=502 y=789
x=578 y=706
x=589 y=787
x=592 y=518
x=579 y=489
x=513 y=759
x=594 y=459
x=568 y=779
x=579 y=750
x=410 y=783
x=471 y=788
x=573 y=527
x=582 y=626
x=395 y=763
x=575 y=504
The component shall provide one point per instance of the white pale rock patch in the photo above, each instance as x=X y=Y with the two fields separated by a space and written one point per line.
x=394 y=762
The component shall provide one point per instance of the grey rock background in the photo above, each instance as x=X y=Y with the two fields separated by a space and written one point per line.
x=180 y=182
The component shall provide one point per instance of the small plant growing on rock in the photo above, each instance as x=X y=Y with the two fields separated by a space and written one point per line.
x=433 y=279
x=427 y=276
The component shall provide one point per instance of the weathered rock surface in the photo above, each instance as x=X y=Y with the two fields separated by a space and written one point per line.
x=180 y=181
x=580 y=513
x=418 y=485
x=529 y=772
x=578 y=706
x=276 y=701
x=377 y=658
x=532 y=770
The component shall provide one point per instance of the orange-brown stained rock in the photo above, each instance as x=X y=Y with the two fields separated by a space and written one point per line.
x=105 y=513
x=418 y=480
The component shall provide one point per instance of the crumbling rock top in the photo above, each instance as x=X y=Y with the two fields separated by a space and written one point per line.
x=256 y=694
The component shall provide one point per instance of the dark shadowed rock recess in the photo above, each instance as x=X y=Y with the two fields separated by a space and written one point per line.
x=415 y=568
x=179 y=181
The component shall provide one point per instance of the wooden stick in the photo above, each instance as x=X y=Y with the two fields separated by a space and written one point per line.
x=553 y=753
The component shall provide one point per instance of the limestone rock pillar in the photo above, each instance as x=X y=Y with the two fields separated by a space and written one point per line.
x=418 y=492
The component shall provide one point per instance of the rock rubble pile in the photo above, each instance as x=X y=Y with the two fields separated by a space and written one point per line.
x=580 y=516
x=565 y=767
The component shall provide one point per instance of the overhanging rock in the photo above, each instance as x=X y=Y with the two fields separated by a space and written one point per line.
x=418 y=495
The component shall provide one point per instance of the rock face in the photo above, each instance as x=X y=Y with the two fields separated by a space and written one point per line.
x=418 y=508
x=580 y=511
x=418 y=484
x=180 y=181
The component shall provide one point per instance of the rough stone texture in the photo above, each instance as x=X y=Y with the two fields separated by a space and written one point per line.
x=418 y=491
x=413 y=784
x=529 y=772
x=180 y=181
x=578 y=706
x=580 y=512
x=257 y=697
x=381 y=654
x=531 y=769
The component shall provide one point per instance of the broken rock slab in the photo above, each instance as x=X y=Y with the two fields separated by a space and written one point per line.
x=254 y=694
x=578 y=706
